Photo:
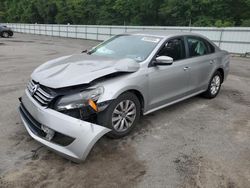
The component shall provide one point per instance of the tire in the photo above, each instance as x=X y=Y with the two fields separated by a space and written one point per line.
x=214 y=86
x=5 y=34
x=11 y=33
x=115 y=119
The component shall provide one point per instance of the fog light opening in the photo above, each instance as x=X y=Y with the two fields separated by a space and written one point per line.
x=49 y=132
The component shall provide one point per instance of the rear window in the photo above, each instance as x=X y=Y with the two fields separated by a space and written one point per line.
x=211 y=47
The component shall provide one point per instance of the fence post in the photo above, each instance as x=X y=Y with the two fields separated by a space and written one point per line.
x=86 y=36
x=97 y=32
x=76 y=31
x=220 y=40
x=67 y=30
x=52 y=30
x=59 y=31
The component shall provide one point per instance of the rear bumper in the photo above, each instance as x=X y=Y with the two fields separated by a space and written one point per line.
x=81 y=135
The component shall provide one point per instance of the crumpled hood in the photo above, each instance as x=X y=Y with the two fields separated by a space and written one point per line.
x=80 y=69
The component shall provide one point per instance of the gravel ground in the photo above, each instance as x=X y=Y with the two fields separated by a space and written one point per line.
x=196 y=143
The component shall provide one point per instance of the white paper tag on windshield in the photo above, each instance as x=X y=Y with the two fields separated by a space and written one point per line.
x=151 y=39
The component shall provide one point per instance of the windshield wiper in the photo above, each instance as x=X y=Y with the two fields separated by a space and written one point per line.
x=87 y=52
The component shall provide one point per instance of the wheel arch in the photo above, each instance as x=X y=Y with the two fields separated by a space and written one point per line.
x=139 y=95
x=221 y=71
x=111 y=95
x=10 y=33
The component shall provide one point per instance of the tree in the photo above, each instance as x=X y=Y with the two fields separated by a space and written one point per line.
x=62 y=16
x=2 y=11
x=218 y=13
x=31 y=14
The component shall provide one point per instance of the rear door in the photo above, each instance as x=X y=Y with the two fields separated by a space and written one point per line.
x=202 y=61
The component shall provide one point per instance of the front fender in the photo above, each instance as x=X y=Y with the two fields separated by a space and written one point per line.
x=115 y=87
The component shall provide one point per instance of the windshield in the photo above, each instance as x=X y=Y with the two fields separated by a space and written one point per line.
x=127 y=46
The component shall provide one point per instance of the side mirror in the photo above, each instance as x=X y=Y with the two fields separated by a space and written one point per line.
x=164 y=60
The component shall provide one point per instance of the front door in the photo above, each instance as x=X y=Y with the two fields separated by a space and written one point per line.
x=169 y=82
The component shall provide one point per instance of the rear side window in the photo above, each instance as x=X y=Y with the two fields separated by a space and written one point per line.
x=197 y=46
x=211 y=47
x=174 y=48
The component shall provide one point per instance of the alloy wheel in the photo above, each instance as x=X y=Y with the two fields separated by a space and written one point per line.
x=215 y=85
x=5 y=35
x=124 y=115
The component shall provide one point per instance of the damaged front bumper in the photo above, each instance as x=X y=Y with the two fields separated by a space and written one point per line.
x=73 y=138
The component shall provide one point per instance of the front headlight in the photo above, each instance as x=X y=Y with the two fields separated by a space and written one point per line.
x=79 y=100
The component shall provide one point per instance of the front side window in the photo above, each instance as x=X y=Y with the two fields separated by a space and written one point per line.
x=197 y=47
x=136 y=47
x=174 y=48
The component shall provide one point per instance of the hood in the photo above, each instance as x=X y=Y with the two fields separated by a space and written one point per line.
x=4 y=27
x=80 y=69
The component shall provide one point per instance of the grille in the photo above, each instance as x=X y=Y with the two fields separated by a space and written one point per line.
x=41 y=96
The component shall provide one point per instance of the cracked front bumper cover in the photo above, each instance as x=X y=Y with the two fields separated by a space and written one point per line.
x=84 y=134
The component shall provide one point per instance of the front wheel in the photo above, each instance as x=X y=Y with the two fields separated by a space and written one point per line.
x=121 y=115
x=214 y=86
x=5 y=34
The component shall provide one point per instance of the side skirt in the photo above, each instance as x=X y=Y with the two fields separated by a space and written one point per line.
x=173 y=102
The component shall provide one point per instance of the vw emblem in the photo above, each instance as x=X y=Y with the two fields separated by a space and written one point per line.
x=33 y=89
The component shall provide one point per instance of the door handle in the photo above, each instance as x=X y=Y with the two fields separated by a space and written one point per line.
x=211 y=62
x=186 y=68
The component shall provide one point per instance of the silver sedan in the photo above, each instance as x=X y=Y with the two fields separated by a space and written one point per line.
x=72 y=101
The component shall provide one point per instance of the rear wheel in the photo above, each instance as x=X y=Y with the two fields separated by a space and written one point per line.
x=121 y=116
x=214 y=86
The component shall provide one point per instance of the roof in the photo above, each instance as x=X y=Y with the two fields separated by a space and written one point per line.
x=168 y=34
x=162 y=33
